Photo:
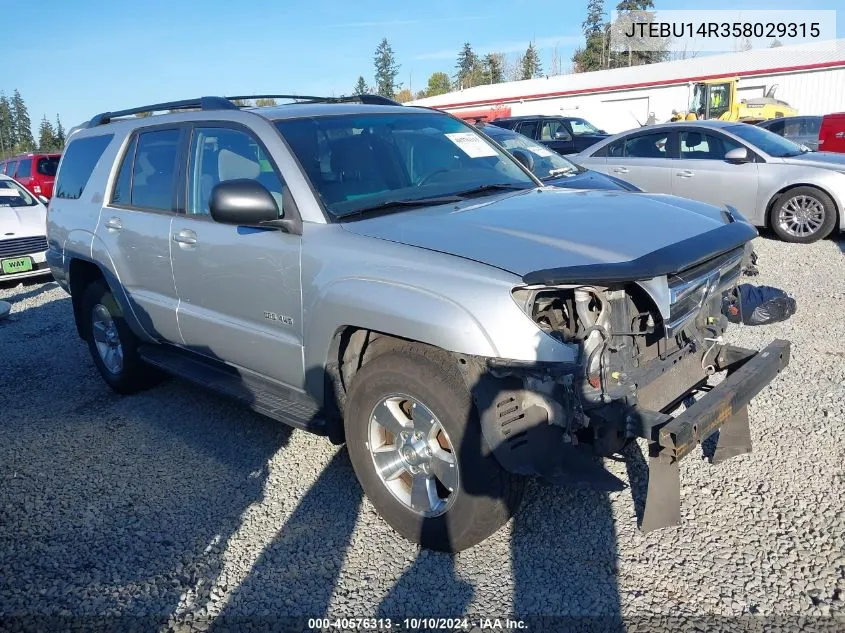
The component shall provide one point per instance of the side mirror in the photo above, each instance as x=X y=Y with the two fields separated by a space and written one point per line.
x=737 y=155
x=562 y=135
x=243 y=201
x=43 y=199
x=525 y=158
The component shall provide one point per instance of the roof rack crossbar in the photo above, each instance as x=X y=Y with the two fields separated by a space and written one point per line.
x=203 y=103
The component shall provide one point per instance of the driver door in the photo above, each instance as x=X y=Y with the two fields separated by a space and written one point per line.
x=238 y=287
x=555 y=135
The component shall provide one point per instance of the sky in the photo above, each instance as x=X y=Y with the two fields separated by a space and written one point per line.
x=77 y=58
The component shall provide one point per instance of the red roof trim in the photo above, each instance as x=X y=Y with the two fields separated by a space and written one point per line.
x=664 y=82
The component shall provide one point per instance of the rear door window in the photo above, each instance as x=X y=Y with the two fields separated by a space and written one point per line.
x=10 y=168
x=25 y=168
x=154 y=170
x=528 y=128
x=647 y=146
x=80 y=159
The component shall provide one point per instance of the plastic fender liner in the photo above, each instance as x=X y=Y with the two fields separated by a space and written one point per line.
x=669 y=259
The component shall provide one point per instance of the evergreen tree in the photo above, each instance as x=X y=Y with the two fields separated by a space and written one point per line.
x=494 y=68
x=60 y=134
x=775 y=43
x=360 y=87
x=438 y=84
x=592 y=55
x=7 y=127
x=631 y=57
x=386 y=70
x=46 y=136
x=23 y=125
x=531 y=67
x=469 y=67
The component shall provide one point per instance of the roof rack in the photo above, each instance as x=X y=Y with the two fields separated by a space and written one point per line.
x=226 y=103
x=365 y=98
x=203 y=103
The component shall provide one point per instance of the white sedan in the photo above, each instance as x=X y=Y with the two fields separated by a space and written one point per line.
x=23 y=232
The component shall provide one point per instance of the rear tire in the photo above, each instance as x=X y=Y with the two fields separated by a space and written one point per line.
x=803 y=215
x=423 y=386
x=113 y=345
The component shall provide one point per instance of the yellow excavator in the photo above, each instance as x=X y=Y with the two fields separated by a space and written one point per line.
x=718 y=99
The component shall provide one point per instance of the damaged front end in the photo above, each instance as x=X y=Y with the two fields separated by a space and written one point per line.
x=637 y=366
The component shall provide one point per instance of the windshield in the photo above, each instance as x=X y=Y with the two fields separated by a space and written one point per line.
x=580 y=126
x=365 y=161
x=13 y=195
x=48 y=166
x=546 y=163
x=769 y=142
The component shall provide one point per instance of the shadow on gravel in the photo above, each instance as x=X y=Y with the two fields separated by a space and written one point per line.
x=29 y=288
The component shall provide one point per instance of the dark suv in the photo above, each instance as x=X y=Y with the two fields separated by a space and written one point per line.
x=563 y=134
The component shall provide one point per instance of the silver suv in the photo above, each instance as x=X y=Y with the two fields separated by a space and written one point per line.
x=391 y=278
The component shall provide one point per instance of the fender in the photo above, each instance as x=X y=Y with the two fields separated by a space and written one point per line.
x=391 y=308
x=98 y=256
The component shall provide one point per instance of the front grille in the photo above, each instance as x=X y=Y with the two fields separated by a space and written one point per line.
x=22 y=246
x=690 y=289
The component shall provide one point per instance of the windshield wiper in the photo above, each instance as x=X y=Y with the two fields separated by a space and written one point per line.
x=399 y=205
x=499 y=186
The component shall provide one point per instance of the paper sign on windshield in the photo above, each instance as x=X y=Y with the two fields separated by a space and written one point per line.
x=471 y=145
x=540 y=151
x=9 y=193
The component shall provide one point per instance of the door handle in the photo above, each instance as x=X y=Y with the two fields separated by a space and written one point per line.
x=620 y=170
x=114 y=224
x=185 y=236
x=687 y=173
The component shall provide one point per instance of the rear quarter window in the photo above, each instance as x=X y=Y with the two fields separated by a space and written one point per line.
x=80 y=159
x=47 y=166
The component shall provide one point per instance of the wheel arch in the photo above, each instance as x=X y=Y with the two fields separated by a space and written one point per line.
x=767 y=219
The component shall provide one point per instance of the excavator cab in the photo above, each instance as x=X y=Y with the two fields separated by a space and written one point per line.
x=712 y=100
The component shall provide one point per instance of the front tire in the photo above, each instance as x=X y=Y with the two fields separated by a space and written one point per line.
x=803 y=215
x=113 y=345
x=416 y=445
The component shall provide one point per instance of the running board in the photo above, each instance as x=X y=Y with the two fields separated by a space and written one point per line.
x=259 y=394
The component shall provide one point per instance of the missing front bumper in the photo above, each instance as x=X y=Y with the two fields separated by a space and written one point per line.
x=723 y=409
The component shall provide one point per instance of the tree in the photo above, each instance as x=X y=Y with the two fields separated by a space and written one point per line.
x=23 y=125
x=60 y=134
x=494 y=68
x=531 y=67
x=775 y=43
x=360 y=87
x=471 y=71
x=658 y=51
x=46 y=136
x=8 y=140
x=267 y=101
x=592 y=56
x=438 y=84
x=386 y=70
x=404 y=95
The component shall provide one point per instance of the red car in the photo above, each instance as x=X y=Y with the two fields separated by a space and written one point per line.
x=36 y=172
x=832 y=133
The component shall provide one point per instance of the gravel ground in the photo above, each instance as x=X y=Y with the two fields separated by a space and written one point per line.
x=178 y=505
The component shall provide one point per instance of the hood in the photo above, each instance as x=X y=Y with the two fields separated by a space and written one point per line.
x=591 y=180
x=826 y=160
x=548 y=227
x=22 y=221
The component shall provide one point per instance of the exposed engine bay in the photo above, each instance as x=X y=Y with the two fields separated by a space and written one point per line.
x=635 y=367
